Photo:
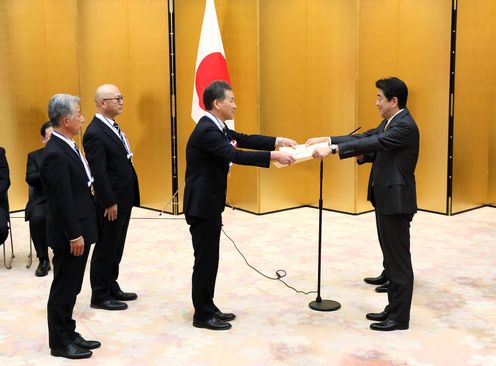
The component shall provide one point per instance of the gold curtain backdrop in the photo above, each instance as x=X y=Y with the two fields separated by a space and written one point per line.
x=298 y=68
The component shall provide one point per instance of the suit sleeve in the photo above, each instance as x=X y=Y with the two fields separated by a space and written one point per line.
x=255 y=142
x=396 y=136
x=4 y=173
x=214 y=142
x=56 y=177
x=96 y=155
x=33 y=177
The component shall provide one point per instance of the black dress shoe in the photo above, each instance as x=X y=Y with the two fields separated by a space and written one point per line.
x=124 y=296
x=377 y=317
x=109 y=305
x=227 y=317
x=83 y=343
x=43 y=268
x=388 y=325
x=71 y=351
x=380 y=280
x=213 y=324
x=383 y=288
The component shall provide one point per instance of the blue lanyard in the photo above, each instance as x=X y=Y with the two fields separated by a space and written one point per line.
x=224 y=130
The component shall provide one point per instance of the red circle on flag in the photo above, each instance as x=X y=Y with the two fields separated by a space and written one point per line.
x=212 y=67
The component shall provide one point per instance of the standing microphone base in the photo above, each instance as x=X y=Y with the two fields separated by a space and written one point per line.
x=324 y=305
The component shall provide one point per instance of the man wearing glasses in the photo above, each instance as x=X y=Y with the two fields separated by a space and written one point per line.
x=116 y=191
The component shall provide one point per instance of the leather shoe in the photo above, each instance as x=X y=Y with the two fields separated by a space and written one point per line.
x=71 y=351
x=43 y=268
x=383 y=288
x=388 y=325
x=83 y=343
x=377 y=317
x=213 y=324
x=110 y=304
x=124 y=296
x=379 y=280
x=227 y=317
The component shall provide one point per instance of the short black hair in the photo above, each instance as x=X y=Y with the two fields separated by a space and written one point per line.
x=45 y=126
x=216 y=90
x=393 y=87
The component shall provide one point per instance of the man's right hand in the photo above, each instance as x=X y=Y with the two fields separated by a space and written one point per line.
x=282 y=157
x=111 y=213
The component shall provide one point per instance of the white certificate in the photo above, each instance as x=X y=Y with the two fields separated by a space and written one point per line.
x=300 y=152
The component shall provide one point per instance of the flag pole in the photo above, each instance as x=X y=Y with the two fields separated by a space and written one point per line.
x=173 y=114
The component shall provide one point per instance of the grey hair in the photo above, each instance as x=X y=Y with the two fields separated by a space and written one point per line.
x=61 y=105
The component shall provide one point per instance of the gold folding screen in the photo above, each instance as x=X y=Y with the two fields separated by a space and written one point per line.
x=299 y=69
x=125 y=42
x=38 y=59
x=52 y=46
x=303 y=69
x=475 y=92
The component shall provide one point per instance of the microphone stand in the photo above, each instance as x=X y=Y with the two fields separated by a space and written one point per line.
x=319 y=304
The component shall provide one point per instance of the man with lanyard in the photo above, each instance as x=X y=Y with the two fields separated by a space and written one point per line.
x=211 y=148
x=71 y=224
x=116 y=191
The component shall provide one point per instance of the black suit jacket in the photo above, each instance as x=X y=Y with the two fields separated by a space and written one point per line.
x=71 y=208
x=115 y=178
x=37 y=195
x=208 y=154
x=4 y=183
x=394 y=155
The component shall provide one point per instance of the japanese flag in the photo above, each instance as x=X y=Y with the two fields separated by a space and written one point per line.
x=210 y=61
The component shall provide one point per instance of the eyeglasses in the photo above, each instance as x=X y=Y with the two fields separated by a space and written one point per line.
x=120 y=98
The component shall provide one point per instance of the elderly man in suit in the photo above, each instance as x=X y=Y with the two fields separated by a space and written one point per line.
x=393 y=149
x=72 y=224
x=116 y=192
x=36 y=207
x=211 y=148
x=4 y=202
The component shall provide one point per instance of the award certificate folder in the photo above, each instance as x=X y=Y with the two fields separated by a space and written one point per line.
x=300 y=152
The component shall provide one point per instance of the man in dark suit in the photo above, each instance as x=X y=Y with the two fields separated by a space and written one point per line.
x=4 y=202
x=393 y=149
x=116 y=191
x=36 y=208
x=210 y=150
x=72 y=225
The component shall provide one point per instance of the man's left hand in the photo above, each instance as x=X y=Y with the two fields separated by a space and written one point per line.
x=111 y=213
x=321 y=152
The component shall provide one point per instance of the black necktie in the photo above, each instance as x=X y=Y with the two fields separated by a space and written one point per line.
x=118 y=130
x=77 y=150
x=224 y=130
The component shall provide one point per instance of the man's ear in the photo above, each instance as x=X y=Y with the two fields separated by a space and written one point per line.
x=216 y=104
x=395 y=100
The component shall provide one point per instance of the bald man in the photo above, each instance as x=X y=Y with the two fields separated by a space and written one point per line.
x=116 y=191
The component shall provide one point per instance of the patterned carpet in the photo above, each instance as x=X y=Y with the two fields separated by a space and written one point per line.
x=453 y=318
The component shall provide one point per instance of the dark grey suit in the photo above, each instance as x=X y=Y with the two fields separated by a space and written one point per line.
x=393 y=153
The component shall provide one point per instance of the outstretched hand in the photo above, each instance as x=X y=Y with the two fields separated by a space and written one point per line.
x=284 y=141
x=321 y=152
x=282 y=157
x=316 y=140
